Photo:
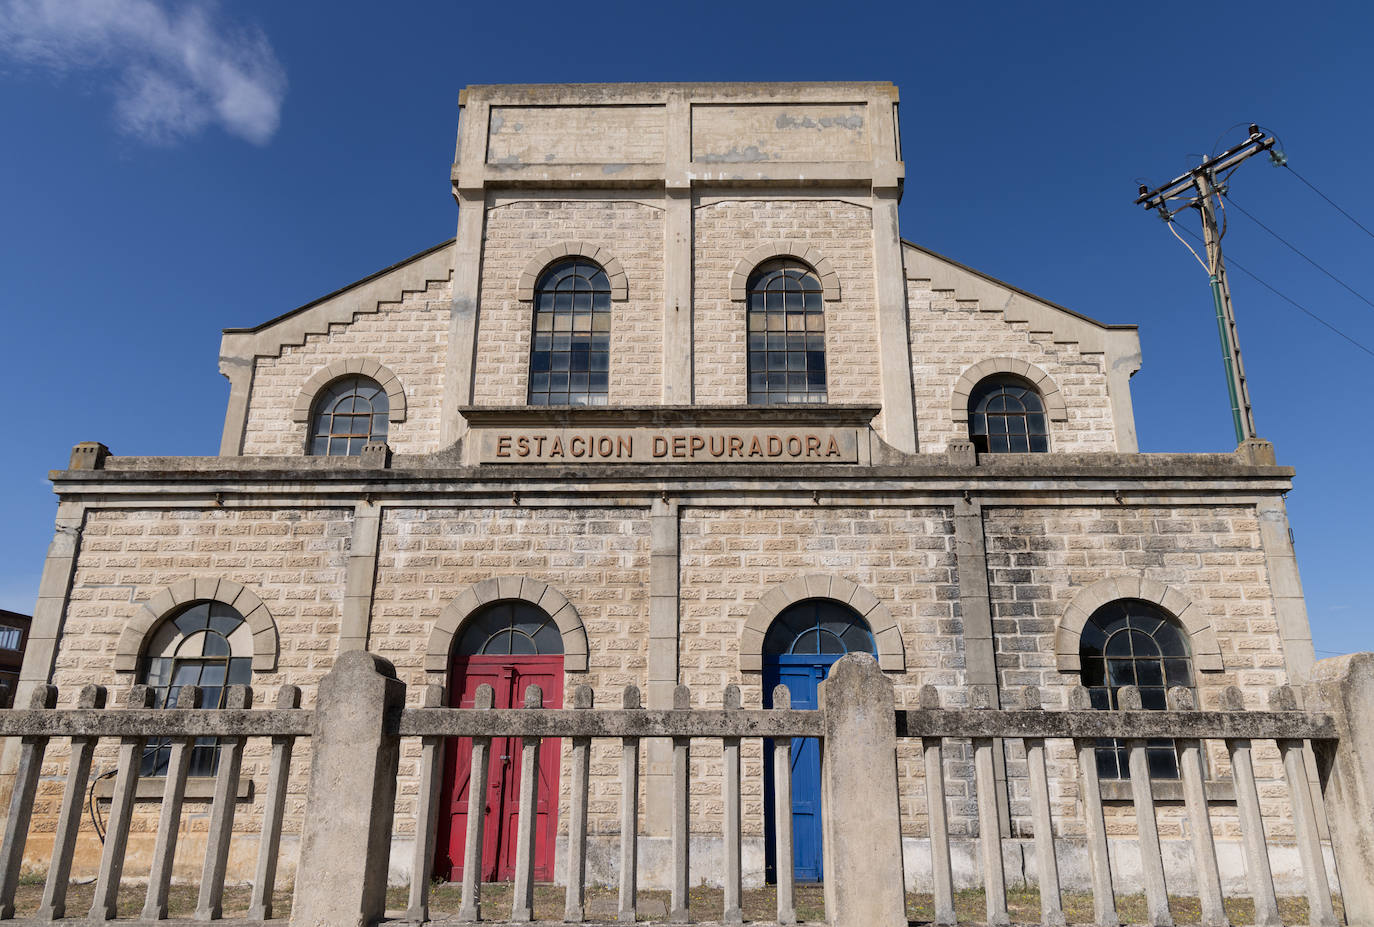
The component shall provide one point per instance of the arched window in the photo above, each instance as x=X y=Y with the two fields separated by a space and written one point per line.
x=1007 y=416
x=207 y=644
x=1134 y=643
x=786 y=334
x=816 y=627
x=349 y=413
x=510 y=628
x=570 y=354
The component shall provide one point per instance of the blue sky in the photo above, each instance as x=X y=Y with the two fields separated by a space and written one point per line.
x=170 y=169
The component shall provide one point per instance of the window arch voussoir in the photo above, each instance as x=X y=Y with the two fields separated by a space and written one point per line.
x=165 y=602
x=439 y=647
x=807 y=254
x=1055 y=407
x=361 y=366
x=891 y=650
x=1202 y=637
x=615 y=271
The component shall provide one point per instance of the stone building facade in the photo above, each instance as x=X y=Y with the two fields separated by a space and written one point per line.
x=660 y=518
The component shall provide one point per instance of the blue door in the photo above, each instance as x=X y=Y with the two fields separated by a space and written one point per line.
x=803 y=642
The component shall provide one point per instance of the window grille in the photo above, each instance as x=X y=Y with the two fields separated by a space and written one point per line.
x=510 y=628
x=349 y=413
x=1133 y=643
x=786 y=322
x=207 y=645
x=818 y=626
x=570 y=353
x=1007 y=416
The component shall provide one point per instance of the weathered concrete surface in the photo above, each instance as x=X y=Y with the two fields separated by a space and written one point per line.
x=341 y=879
x=1344 y=686
x=863 y=838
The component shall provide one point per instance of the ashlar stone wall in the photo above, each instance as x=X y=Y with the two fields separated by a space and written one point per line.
x=598 y=557
x=732 y=556
x=950 y=335
x=724 y=233
x=515 y=233
x=293 y=559
x=409 y=337
x=1038 y=560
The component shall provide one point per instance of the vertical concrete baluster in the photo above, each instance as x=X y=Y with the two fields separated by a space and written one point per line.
x=470 y=908
x=1147 y=828
x=106 y=903
x=1046 y=864
x=350 y=806
x=522 y=903
x=427 y=812
x=169 y=818
x=932 y=750
x=629 y=814
x=782 y=812
x=1099 y=862
x=209 y=906
x=1251 y=821
x=273 y=809
x=54 y=903
x=733 y=913
x=989 y=823
x=682 y=826
x=574 y=907
x=861 y=811
x=1199 y=819
x=31 y=750
x=1320 y=912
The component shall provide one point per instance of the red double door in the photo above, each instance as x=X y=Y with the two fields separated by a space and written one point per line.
x=508 y=677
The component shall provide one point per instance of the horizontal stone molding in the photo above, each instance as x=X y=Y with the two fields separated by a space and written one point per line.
x=362 y=366
x=1206 y=652
x=615 y=273
x=439 y=649
x=165 y=603
x=1043 y=383
x=825 y=270
x=886 y=634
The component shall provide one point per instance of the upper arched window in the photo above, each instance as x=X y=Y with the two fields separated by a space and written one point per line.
x=510 y=628
x=570 y=354
x=1130 y=642
x=1007 y=416
x=349 y=413
x=786 y=334
x=206 y=644
x=818 y=626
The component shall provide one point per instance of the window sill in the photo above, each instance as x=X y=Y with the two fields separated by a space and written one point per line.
x=1167 y=789
x=151 y=788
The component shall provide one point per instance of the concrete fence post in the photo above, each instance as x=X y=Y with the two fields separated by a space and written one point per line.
x=863 y=836
x=355 y=752
x=1344 y=688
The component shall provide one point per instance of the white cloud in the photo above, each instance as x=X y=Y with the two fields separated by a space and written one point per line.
x=179 y=69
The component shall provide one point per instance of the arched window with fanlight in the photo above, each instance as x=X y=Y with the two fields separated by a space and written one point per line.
x=206 y=644
x=510 y=628
x=570 y=352
x=1006 y=415
x=786 y=322
x=348 y=414
x=1130 y=642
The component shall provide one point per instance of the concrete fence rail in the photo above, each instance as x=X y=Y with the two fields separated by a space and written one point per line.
x=357 y=729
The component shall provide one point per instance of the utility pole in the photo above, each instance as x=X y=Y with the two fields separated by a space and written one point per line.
x=1201 y=189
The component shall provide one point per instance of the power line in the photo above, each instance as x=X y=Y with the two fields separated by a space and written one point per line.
x=1338 y=209
x=1298 y=251
x=1285 y=297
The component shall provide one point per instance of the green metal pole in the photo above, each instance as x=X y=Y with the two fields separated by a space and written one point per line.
x=1227 y=359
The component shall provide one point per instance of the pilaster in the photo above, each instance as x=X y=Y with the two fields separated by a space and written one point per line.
x=663 y=659
x=360 y=577
x=894 y=349
x=1290 y=610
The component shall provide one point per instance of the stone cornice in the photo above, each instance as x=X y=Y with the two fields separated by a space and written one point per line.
x=751 y=416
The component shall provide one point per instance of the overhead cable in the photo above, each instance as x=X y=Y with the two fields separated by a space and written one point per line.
x=1298 y=251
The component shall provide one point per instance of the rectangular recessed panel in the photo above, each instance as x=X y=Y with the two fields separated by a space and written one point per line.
x=533 y=135
x=764 y=132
